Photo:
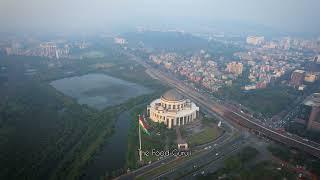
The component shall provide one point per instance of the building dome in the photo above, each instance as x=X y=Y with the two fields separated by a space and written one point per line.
x=172 y=95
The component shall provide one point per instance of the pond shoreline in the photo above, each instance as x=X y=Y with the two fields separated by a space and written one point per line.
x=99 y=90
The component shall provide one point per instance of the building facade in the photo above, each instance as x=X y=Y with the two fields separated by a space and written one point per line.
x=255 y=40
x=297 y=78
x=172 y=109
x=235 y=68
x=313 y=122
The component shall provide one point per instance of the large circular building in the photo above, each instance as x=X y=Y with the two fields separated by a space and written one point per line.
x=172 y=109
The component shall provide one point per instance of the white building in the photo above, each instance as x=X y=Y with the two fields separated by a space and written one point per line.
x=235 y=68
x=173 y=110
x=120 y=41
x=255 y=40
x=250 y=87
x=310 y=77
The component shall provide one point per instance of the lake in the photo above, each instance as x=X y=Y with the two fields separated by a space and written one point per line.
x=99 y=90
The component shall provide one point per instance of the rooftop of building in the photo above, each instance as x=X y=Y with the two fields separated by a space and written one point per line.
x=312 y=100
x=172 y=95
x=299 y=71
x=155 y=104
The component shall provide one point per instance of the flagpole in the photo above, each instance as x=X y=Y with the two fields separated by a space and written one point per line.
x=140 y=150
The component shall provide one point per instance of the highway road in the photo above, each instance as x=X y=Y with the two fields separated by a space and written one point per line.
x=143 y=171
x=205 y=160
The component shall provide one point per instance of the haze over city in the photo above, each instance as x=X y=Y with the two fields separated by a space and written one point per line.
x=97 y=15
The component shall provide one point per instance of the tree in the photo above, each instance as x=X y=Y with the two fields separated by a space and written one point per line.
x=232 y=163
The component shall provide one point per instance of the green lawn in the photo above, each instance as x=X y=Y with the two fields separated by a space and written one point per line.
x=205 y=136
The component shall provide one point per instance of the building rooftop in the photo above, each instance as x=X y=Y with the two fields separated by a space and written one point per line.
x=299 y=71
x=172 y=95
x=313 y=100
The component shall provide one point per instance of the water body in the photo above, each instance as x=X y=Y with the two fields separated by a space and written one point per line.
x=113 y=154
x=99 y=90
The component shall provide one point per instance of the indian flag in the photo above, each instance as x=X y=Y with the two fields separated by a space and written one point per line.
x=143 y=125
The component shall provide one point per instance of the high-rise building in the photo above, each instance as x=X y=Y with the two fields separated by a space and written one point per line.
x=316 y=58
x=49 y=49
x=285 y=43
x=120 y=41
x=235 y=68
x=313 y=122
x=297 y=78
x=313 y=66
x=255 y=40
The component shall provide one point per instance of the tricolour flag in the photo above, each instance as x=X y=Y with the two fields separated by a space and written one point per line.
x=143 y=125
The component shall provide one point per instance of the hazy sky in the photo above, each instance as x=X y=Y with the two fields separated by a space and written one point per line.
x=61 y=15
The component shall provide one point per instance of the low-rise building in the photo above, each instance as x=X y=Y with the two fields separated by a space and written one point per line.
x=173 y=109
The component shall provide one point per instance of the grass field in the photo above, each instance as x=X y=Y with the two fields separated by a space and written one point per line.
x=208 y=134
